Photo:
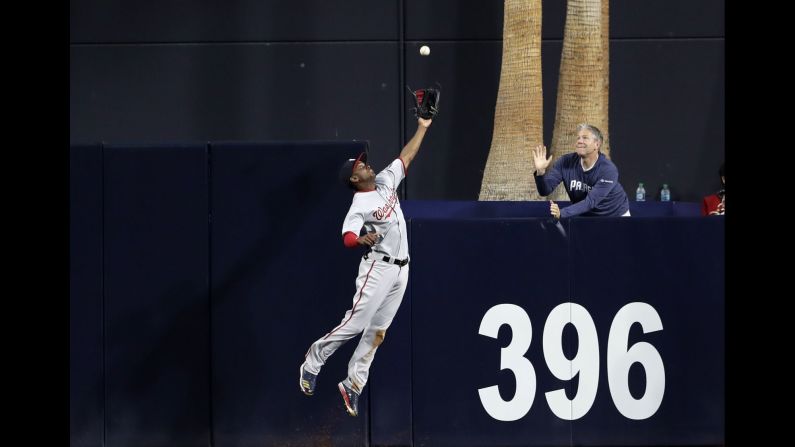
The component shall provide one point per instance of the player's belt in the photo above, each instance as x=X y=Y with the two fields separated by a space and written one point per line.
x=391 y=260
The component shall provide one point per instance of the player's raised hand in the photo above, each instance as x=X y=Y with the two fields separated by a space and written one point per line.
x=554 y=209
x=424 y=123
x=540 y=159
x=368 y=239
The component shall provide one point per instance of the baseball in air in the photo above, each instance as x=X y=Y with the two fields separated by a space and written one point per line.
x=424 y=50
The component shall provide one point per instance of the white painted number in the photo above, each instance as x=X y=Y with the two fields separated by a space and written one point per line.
x=511 y=357
x=620 y=359
x=585 y=363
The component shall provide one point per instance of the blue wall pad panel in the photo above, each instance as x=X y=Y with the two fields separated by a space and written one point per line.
x=462 y=272
x=85 y=296
x=156 y=296
x=671 y=270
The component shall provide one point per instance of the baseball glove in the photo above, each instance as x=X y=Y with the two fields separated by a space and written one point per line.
x=427 y=103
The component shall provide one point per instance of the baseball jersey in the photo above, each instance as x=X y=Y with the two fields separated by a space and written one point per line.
x=595 y=192
x=379 y=211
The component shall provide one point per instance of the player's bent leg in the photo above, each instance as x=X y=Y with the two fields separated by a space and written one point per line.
x=374 y=335
x=374 y=283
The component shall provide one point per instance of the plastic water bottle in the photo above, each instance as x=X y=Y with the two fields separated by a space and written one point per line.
x=665 y=194
x=640 y=193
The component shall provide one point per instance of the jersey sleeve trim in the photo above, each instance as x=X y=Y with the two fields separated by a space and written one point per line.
x=349 y=239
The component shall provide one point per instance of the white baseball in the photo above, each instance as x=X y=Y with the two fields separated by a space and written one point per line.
x=424 y=50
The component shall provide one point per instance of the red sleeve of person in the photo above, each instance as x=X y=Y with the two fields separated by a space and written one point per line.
x=715 y=204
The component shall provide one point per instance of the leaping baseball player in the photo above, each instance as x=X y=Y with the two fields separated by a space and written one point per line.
x=383 y=270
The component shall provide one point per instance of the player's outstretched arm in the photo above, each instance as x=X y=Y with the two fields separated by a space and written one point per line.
x=413 y=146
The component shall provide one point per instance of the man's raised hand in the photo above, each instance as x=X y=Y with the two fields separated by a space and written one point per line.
x=540 y=159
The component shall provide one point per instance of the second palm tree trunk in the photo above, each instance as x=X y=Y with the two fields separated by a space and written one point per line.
x=583 y=85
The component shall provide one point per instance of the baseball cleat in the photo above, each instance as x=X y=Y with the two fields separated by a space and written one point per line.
x=350 y=398
x=307 y=381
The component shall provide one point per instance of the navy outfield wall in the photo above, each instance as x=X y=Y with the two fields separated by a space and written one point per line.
x=676 y=267
x=86 y=375
x=461 y=270
x=201 y=274
x=626 y=316
x=155 y=293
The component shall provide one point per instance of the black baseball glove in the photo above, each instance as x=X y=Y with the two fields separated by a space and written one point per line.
x=427 y=103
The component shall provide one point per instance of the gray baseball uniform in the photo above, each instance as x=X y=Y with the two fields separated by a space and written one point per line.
x=382 y=279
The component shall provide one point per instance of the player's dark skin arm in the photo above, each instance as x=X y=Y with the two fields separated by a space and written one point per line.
x=407 y=155
x=368 y=239
x=413 y=146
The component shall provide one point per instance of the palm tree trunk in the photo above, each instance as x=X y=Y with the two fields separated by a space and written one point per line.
x=605 y=77
x=518 y=118
x=583 y=85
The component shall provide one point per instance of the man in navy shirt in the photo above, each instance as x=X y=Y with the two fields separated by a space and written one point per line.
x=590 y=179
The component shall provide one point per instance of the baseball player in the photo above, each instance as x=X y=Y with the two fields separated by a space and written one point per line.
x=590 y=179
x=383 y=270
